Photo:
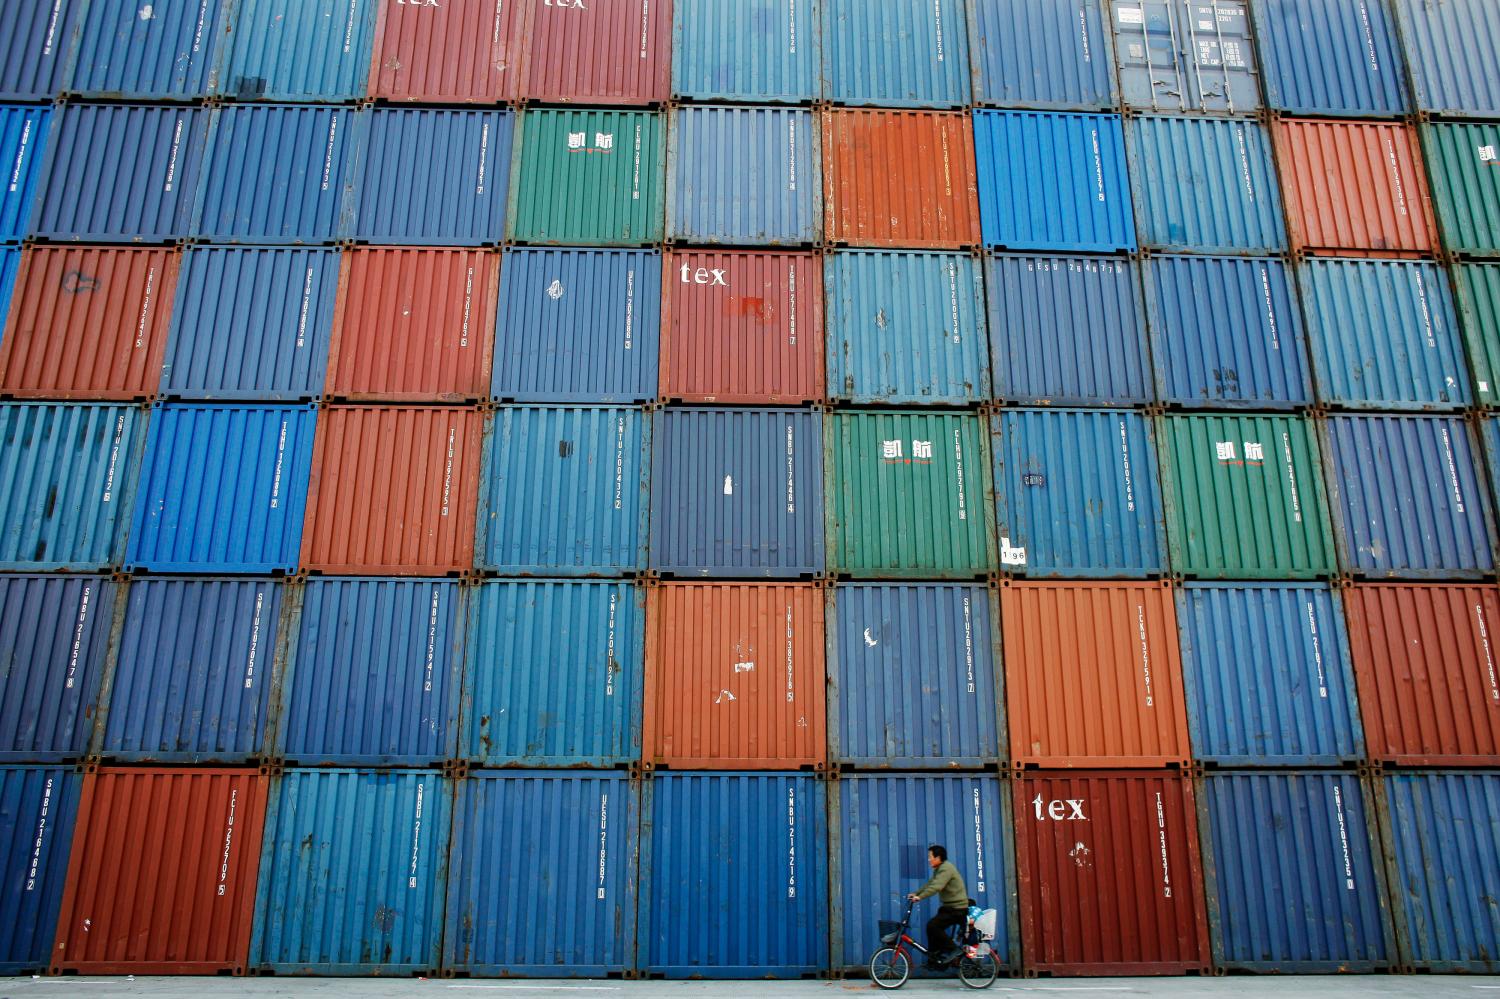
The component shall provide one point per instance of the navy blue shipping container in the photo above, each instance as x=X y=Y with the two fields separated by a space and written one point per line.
x=38 y=807
x=756 y=905
x=1450 y=47
x=10 y=262
x=1292 y=872
x=896 y=53
x=1050 y=181
x=23 y=141
x=737 y=492
x=1190 y=56
x=914 y=676
x=580 y=831
x=151 y=51
x=1047 y=56
x=251 y=324
x=435 y=177
x=577 y=326
x=765 y=51
x=1066 y=331
x=1226 y=332
x=35 y=37
x=292 y=50
x=1489 y=435
x=554 y=674
x=1267 y=675
x=1339 y=58
x=193 y=671
x=54 y=634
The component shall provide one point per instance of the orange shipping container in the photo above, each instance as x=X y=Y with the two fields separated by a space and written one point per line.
x=393 y=491
x=899 y=178
x=162 y=876
x=1093 y=675
x=735 y=676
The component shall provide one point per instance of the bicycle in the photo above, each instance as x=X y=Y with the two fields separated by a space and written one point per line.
x=890 y=966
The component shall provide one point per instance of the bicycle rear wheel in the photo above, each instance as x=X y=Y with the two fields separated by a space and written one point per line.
x=979 y=972
x=889 y=968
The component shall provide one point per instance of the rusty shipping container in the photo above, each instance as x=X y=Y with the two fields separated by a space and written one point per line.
x=735 y=676
x=163 y=873
x=1093 y=675
x=460 y=51
x=605 y=52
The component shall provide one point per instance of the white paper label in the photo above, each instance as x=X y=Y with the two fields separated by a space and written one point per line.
x=1009 y=555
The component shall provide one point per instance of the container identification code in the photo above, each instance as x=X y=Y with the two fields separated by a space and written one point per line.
x=260 y=599
x=114 y=459
x=83 y=616
x=969 y=642
x=1338 y=805
x=1317 y=650
x=41 y=835
x=1161 y=833
x=791 y=842
x=432 y=617
x=603 y=843
x=978 y=843
x=416 y=838
x=15 y=172
x=145 y=316
x=1489 y=657
x=228 y=843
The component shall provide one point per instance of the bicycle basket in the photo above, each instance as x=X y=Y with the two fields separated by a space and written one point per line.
x=889 y=930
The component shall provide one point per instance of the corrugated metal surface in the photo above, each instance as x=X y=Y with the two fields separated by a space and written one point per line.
x=900 y=53
x=1205 y=184
x=68 y=474
x=393 y=491
x=1425 y=662
x=35 y=39
x=1244 y=498
x=578 y=326
x=222 y=489
x=1067 y=330
x=1226 y=332
x=737 y=493
x=23 y=141
x=1051 y=181
x=467 y=51
x=899 y=178
x=610 y=52
x=251 y=324
x=708 y=646
x=10 y=262
x=38 y=806
x=880 y=829
x=1450 y=46
x=372 y=675
x=163 y=873
x=193 y=671
x=564 y=491
x=435 y=177
x=1186 y=55
x=1442 y=838
x=1268 y=677
x=743 y=176
x=590 y=177
x=279 y=174
x=1461 y=167
x=141 y=192
x=583 y=831
x=757 y=843
x=742 y=327
x=291 y=50
x=906 y=327
x=1293 y=874
x=1053 y=56
x=1407 y=497
x=1108 y=874
x=1077 y=493
x=1331 y=57
x=765 y=51
x=1478 y=288
x=354 y=873
x=88 y=323
x=554 y=676
x=1383 y=334
x=412 y=325
x=909 y=494
x=166 y=51
x=913 y=679
x=54 y=633
x=1353 y=185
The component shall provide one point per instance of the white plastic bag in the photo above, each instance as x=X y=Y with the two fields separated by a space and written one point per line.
x=985 y=924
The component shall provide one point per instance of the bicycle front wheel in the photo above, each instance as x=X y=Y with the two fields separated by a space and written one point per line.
x=979 y=972
x=889 y=968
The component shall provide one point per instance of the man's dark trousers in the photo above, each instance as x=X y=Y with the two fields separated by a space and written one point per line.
x=939 y=943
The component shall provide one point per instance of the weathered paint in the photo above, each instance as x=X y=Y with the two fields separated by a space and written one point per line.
x=292 y=50
x=1450 y=45
x=898 y=53
x=1045 y=56
x=38 y=807
x=1331 y=57
x=160 y=51
x=1461 y=168
x=458 y=51
x=605 y=52
x=35 y=39
x=766 y=51
x=1186 y=56
x=23 y=142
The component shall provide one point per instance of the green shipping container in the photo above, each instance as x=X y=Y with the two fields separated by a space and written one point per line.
x=1245 y=498
x=1479 y=316
x=909 y=495
x=589 y=178
x=1463 y=165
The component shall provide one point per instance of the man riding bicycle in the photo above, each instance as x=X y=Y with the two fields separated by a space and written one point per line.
x=953 y=899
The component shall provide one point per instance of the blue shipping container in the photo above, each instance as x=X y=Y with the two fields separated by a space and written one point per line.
x=23 y=141
x=1267 y=674
x=732 y=50
x=1226 y=332
x=1189 y=56
x=35 y=37
x=914 y=676
x=554 y=674
x=581 y=830
x=1450 y=46
x=38 y=807
x=1292 y=873
x=155 y=51
x=10 y=262
x=1047 y=56
x=223 y=489
x=896 y=53
x=292 y=50
x=193 y=671
x=578 y=326
x=1339 y=58
x=1489 y=434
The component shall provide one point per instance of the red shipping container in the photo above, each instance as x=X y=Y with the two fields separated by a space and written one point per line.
x=414 y=325
x=88 y=322
x=599 y=52
x=742 y=327
x=393 y=491
x=1093 y=675
x=162 y=876
x=1354 y=185
x=1424 y=662
x=1108 y=874
x=735 y=676
x=899 y=178
x=455 y=52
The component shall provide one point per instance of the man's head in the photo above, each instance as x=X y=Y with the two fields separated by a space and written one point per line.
x=936 y=854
